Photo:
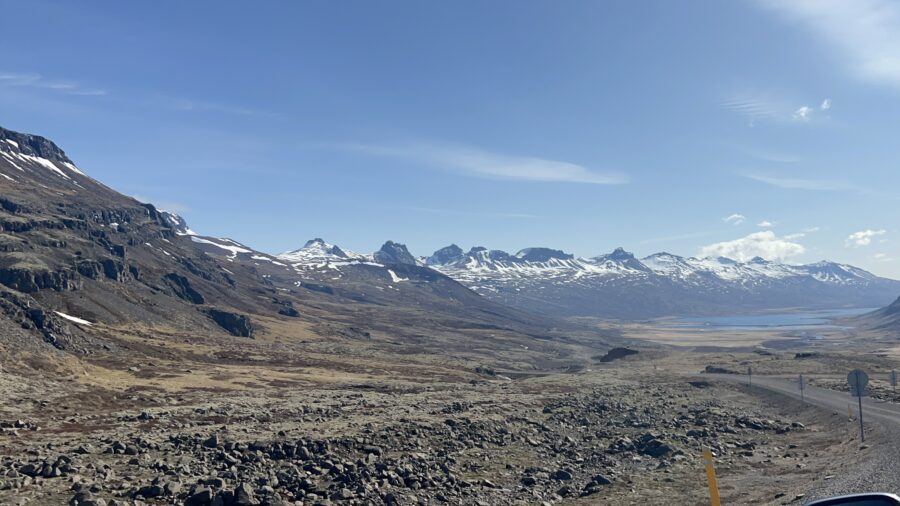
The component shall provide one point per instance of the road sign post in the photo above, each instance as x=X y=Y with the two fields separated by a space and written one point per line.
x=802 y=388
x=858 y=379
x=894 y=380
x=750 y=377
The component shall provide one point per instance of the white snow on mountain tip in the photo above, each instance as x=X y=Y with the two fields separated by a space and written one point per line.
x=12 y=155
x=317 y=253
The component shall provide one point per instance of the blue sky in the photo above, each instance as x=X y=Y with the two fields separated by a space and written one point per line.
x=750 y=127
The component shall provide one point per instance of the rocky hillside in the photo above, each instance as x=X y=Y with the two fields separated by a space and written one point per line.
x=886 y=319
x=78 y=260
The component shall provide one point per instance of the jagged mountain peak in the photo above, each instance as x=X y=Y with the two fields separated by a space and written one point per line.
x=620 y=257
x=446 y=255
x=394 y=253
x=317 y=251
x=319 y=244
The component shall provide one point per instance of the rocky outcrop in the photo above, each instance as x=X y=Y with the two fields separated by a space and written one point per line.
x=183 y=289
x=617 y=353
x=31 y=280
x=31 y=316
x=236 y=324
x=286 y=308
x=394 y=253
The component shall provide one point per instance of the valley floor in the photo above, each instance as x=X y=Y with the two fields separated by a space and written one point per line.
x=626 y=432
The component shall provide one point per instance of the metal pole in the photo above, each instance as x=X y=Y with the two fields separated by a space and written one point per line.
x=750 y=377
x=862 y=432
x=802 y=399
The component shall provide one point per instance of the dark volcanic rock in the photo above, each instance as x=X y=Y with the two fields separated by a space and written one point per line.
x=31 y=280
x=183 y=289
x=236 y=324
x=617 y=353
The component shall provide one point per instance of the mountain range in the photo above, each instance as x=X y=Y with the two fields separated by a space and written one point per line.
x=619 y=285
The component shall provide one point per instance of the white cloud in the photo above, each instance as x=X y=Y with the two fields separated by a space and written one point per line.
x=862 y=238
x=735 y=219
x=765 y=224
x=802 y=184
x=866 y=33
x=480 y=163
x=882 y=257
x=804 y=113
x=826 y=104
x=760 y=244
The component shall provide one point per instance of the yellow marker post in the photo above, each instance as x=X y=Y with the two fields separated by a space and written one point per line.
x=711 y=477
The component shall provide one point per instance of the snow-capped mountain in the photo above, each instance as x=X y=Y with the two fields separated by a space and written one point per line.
x=318 y=252
x=619 y=285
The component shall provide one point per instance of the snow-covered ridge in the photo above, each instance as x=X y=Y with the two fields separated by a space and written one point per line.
x=613 y=285
x=480 y=264
x=22 y=154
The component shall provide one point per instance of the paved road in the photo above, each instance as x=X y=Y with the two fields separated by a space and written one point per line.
x=877 y=474
x=873 y=410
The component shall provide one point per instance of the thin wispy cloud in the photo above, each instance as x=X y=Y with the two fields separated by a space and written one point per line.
x=760 y=244
x=865 y=33
x=882 y=257
x=775 y=157
x=38 y=82
x=862 y=238
x=801 y=183
x=754 y=108
x=480 y=163
x=189 y=105
x=457 y=212
x=735 y=219
x=758 y=107
x=765 y=224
